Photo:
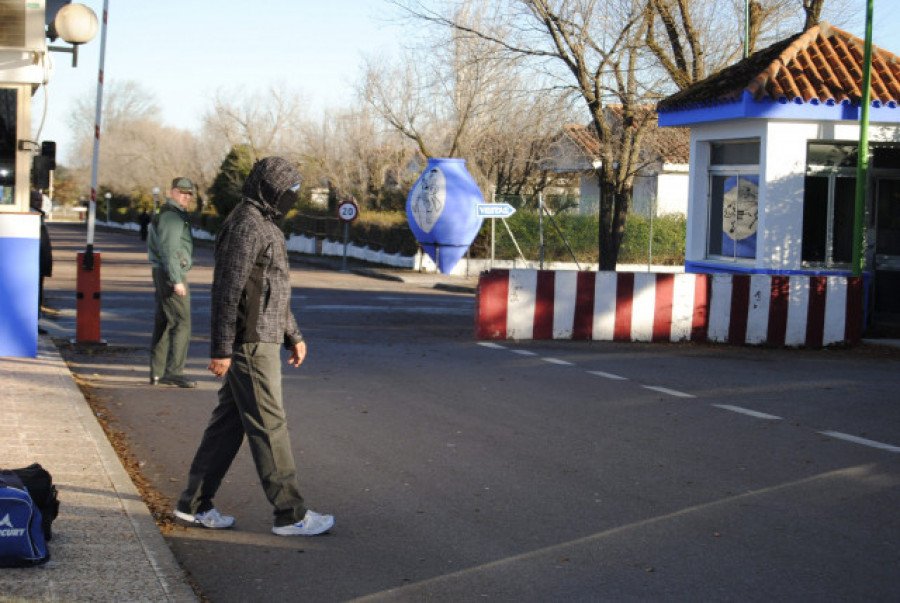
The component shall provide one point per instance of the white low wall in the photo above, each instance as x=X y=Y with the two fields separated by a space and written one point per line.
x=420 y=262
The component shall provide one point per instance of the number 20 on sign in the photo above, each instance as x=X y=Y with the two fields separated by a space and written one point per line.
x=348 y=211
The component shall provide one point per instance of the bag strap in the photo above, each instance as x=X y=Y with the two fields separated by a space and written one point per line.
x=10 y=479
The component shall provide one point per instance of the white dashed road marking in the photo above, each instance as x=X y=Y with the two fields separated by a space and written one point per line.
x=493 y=346
x=558 y=361
x=748 y=412
x=608 y=375
x=856 y=440
x=671 y=392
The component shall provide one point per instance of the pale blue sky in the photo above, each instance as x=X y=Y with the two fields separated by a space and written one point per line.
x=184 y=52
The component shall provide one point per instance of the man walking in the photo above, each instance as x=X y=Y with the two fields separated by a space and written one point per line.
x=251 y=320
x=170 y=246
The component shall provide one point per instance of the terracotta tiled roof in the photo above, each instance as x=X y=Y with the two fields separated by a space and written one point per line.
x=584 y=139
x=820 y=65
x=672 y=145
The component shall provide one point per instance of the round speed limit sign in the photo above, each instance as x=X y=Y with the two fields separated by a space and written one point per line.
x=348 y=211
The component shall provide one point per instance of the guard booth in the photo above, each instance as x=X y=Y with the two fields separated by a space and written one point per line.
x=774 y=148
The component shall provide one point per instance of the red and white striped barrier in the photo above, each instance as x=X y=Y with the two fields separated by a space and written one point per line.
x=623 y=306
x=811 y=311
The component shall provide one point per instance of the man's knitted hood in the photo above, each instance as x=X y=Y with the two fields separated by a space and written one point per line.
x=269 y=180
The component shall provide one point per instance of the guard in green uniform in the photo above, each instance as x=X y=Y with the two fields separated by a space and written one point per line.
x=170 y=246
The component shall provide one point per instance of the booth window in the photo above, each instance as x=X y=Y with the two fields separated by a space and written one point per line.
x=733 y=200
x=8 y=107
x=828 y=204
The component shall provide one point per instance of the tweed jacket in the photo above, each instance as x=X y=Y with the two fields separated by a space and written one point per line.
x=251 y=291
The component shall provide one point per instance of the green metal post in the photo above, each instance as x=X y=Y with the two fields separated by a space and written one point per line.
x=862 y=165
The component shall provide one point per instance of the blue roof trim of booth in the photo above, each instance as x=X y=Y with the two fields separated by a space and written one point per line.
x=798 y=109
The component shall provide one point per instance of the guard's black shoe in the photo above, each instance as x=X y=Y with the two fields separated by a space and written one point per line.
x=154 y=380
x=178 y=381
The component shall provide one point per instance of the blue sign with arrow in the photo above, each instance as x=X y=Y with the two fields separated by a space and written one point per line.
x=495 y=210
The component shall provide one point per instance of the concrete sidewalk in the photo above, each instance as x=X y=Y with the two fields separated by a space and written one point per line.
x=106 y=546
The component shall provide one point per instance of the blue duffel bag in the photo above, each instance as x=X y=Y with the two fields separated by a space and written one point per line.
x=22 y=542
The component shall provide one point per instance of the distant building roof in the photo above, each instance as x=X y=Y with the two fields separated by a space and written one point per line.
x=672 y=145
x=584 y=139
x=822 y=66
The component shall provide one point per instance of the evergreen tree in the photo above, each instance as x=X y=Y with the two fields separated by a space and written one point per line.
x=225 y=192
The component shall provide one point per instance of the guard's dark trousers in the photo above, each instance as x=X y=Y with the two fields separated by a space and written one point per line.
x=172 y=328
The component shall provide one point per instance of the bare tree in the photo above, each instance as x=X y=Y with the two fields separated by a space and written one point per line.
x=398 y=92
x=676 y=42
x=692 y=39
x=595 y=50
x=268 y=123
x=200 y=157
x=137 y=151
x=123 y=102
x=349 y=152
x=458 y=94
x=813 y=10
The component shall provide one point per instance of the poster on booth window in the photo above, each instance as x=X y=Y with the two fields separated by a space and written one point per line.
x=740 y=216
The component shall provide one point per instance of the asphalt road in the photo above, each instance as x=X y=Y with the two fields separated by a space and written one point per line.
x=521 y=471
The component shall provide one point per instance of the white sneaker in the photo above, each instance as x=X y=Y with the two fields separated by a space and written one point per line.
x=208 y=519
x=312 y=524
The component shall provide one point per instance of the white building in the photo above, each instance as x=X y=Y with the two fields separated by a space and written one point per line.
x=661 y=185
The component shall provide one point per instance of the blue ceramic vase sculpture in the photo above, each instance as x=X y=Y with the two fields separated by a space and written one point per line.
x=442 y=210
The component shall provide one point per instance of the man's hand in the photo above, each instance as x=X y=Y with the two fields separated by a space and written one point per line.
x=298 y=354
x=219 y=366
x=180 y=289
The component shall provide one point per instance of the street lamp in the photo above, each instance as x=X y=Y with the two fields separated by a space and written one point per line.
x=108 y=197
x=155 y=198
x=75 y=24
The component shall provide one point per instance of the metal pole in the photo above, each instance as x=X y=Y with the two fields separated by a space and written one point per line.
x=563 y=237
x=541 y=227
x=862 y=164
x=346 y=239
x=493 y=231
x=650 y=241
x=89 y=253
x=51 y=195
x=87 y=319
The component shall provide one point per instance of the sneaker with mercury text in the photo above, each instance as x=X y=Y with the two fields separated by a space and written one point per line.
x=211 y=519
x=312 y=524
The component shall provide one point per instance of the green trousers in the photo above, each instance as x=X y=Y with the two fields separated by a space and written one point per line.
x=171 y=330
x=250 y=404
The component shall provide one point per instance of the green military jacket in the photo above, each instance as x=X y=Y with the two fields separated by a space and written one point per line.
x=170 y=244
